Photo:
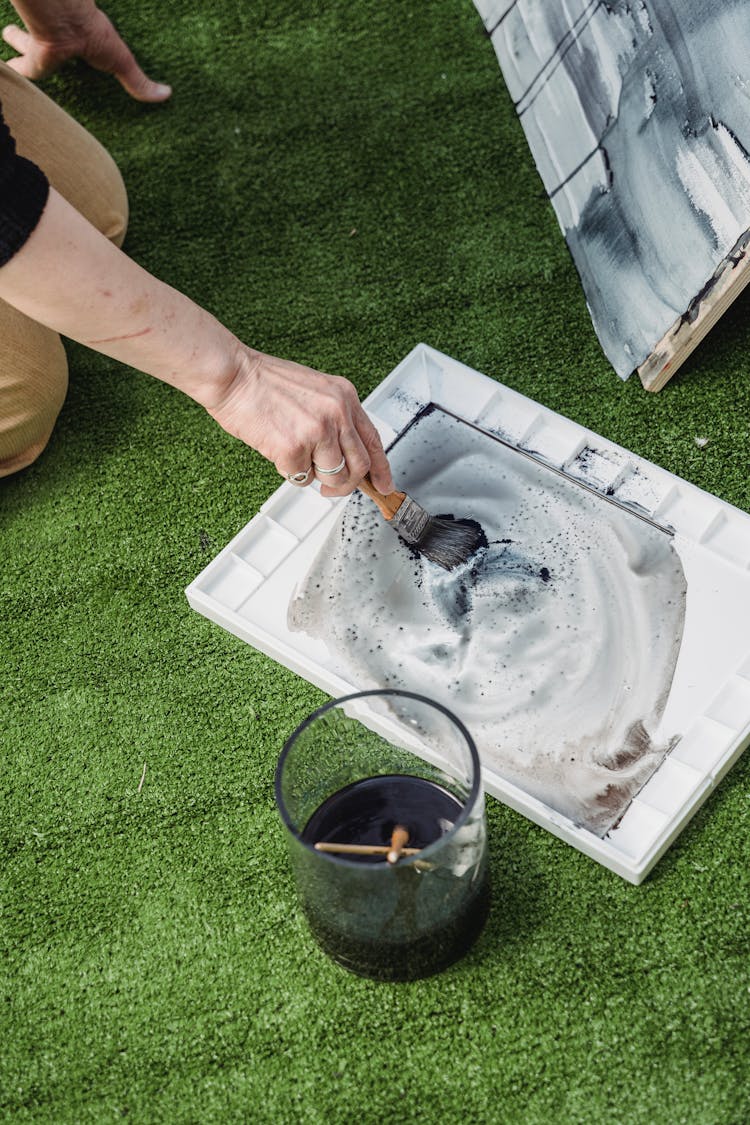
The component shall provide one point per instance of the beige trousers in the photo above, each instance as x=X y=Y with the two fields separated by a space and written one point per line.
x=33 y=367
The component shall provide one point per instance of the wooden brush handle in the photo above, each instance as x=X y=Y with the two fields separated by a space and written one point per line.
x=389 y=504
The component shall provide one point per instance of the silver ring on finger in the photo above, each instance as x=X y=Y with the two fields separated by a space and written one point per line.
x=330 y=472
x=299 y=478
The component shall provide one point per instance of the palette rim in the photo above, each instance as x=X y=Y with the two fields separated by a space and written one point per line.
x=244 y=586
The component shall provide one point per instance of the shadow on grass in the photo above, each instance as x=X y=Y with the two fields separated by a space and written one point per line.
x=518 y=893
x=102 y=411
x=725 y=345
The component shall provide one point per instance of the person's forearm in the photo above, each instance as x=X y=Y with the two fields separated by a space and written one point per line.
x=71 y=278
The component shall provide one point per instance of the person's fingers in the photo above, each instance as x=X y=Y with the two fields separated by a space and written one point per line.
x=356 y=463
x=105 y=51
x=22 y=64
x=27 y=62
x=300 y=478
x=330 y=463
x=380 y=470
x=16 y=37
x=296 y=465
x=329 y=460
x=114 y=56
x=357 y=444
x=137 y=83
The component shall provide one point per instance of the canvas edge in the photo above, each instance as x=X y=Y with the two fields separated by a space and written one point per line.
x=723 y=287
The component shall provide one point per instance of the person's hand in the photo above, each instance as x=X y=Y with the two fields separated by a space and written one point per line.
x=302 y=420
x=72 y=29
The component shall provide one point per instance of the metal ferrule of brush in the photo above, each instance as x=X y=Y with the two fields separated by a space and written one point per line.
x=410 y=521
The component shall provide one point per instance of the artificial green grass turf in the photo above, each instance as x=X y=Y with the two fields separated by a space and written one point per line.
x=336 y=181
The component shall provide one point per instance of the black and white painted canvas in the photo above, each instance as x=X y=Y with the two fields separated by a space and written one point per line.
x=537 y=642
x=637 y=113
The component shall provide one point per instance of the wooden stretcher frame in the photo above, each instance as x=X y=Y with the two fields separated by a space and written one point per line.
x=729 y=280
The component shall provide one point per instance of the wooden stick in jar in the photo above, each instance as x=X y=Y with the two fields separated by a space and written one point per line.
x=360 y=849
x=399 y=840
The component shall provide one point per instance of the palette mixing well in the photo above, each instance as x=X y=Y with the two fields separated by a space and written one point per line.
x=249 y=586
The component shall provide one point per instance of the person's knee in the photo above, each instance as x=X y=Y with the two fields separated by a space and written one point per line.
x=33 y=385
x=106 y=207
x=114 y=220
x=74 y=161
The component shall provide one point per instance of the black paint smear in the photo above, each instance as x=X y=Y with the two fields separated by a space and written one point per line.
x=456 y=600
x=476 y=528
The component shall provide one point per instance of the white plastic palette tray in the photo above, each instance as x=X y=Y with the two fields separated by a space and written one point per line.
x=247 y=589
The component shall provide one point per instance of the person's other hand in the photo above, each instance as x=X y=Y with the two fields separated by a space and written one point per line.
x=301 y=419
x=57 y=33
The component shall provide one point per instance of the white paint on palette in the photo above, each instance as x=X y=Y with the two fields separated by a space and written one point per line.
x=537 y=642
x=249 y=587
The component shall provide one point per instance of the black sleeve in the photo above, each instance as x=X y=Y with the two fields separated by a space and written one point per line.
x=23 y=194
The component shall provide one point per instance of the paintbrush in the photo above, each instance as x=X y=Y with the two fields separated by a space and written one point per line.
x=442 y=539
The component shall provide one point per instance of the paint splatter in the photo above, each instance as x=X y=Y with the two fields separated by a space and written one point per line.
x=556 y=644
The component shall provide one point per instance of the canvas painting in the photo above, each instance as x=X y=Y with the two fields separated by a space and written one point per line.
x=556 y=644
x=636 y=113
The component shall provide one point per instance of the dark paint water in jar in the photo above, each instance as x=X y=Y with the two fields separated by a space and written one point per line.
x=435 y=910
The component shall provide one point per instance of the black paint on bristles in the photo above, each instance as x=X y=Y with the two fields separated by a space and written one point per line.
x=449 y=542
x=444 y=540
